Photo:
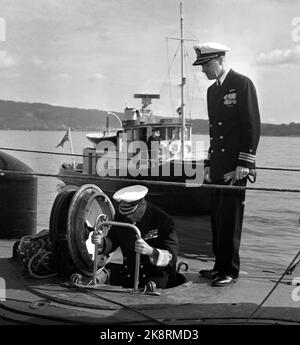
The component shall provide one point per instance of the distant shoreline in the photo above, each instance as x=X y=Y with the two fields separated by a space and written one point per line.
x=45 y=117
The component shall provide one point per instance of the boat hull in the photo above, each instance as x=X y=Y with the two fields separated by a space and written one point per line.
x=164 y=192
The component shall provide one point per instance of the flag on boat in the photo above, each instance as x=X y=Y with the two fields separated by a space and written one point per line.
x=65 y=138
x=179 y=111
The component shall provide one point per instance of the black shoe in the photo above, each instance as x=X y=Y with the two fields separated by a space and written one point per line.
x=224 y=280
x=211 y=274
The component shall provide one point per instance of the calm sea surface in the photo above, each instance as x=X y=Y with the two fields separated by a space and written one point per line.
x=271 y=233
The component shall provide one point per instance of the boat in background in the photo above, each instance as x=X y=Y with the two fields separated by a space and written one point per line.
x=119 y=160
x=169 y=170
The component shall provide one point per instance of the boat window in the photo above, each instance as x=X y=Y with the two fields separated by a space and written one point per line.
x=140 y=134
x=129 y=135
x=169 y=133
x=174 y=135
x=135 y=134
x=188 y=133
x=163 y=133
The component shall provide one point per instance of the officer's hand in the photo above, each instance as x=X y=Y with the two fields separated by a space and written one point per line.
x=230 y=177
x=241 y=172
x=143 y=247
x=207 y=174
x=97 y=238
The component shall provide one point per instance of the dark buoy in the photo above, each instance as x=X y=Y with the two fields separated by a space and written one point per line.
x=18 y=199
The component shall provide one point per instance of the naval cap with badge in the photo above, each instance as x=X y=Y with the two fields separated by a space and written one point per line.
x=208 y=51
x=129 y=198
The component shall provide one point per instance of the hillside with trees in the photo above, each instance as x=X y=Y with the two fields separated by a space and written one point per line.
x=39 y=116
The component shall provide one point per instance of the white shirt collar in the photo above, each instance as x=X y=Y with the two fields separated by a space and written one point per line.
x=224 y=76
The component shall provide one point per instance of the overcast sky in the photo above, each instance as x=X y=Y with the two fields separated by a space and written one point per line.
x=98 y=53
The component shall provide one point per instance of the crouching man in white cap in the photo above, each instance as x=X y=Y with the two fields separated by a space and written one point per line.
x=158 y=246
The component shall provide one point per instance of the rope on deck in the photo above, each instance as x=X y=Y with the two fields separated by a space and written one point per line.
x=123 y=158
x=274 y=287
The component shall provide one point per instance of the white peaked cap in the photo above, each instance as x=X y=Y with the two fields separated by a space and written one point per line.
x=212 y=47
x=129 y=198
x=209 y=50
x=131 y=194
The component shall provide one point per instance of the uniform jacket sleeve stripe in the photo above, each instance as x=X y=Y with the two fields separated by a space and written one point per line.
x=162 y=259
x=248 y=155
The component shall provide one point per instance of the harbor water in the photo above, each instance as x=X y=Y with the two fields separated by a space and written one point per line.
x=271 y=231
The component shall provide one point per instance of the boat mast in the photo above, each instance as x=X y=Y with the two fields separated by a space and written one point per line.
x=182 y=114
x=182 y=85
x=107 y=124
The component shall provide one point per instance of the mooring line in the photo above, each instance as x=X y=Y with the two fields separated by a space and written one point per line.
x=37 y=316
x=194 y=161
x=274 y=287
x=187 y=184
x=150 y=318
x=44 y=152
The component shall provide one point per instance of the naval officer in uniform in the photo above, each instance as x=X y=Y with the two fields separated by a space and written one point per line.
x=234 y=129
x=158 y=246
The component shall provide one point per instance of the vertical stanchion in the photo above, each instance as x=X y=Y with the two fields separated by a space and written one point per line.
x=136 y=271
x=95 y=264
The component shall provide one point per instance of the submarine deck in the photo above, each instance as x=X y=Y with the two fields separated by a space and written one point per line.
x=48 y=301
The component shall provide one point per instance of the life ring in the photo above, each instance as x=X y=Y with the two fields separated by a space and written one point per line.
x=175 y=147
x=187 y=148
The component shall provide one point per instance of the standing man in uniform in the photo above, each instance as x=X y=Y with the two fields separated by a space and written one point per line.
x=234 y=129
x=158 y=246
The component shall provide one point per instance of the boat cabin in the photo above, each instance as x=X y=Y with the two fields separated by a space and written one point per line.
x=135 y=136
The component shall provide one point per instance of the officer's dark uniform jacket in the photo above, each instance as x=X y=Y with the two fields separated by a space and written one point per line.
x=159 y=228
x=234 y=125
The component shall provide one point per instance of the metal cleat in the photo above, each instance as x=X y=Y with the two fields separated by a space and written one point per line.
x=76 y=278
x=182 y=263
x=151 y=289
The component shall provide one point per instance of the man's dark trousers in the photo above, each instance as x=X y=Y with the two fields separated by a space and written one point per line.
x=227 y=211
